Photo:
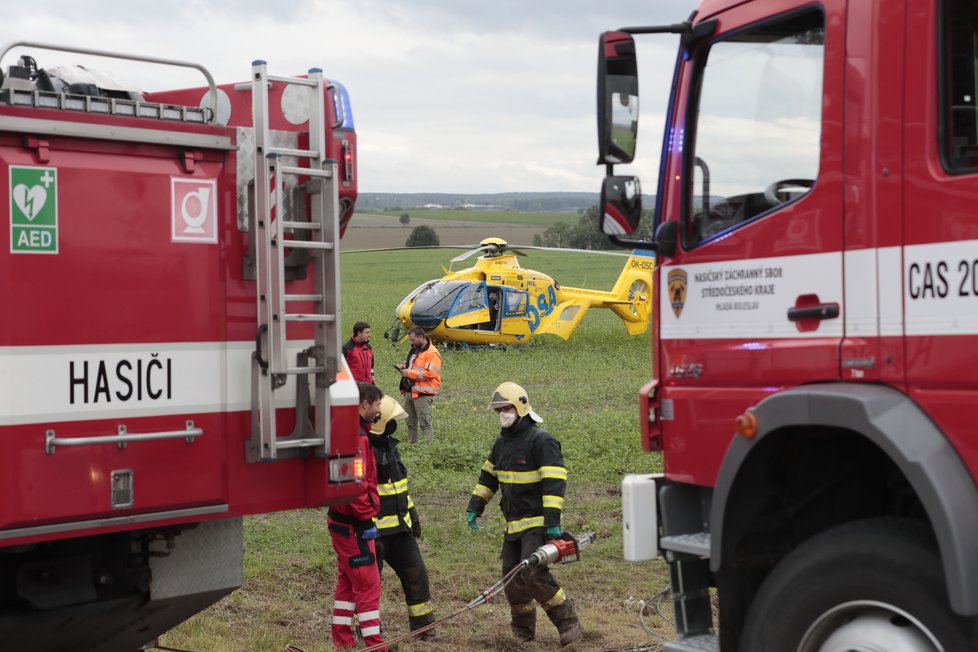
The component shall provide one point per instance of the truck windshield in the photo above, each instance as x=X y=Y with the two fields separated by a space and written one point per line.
x=960 y=91
x=758 y=124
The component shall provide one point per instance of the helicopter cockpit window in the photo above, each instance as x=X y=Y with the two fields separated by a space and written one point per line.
x=516 y=302
x=471 y=298
x=436 y=299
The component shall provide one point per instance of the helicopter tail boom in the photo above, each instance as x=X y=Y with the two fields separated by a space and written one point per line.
x=630 y=299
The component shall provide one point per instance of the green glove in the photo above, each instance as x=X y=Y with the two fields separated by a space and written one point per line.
x=553 y=532
x=472 y=522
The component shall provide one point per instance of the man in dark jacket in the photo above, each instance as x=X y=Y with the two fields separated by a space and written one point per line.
x=526 y=462
x=359 y=354
x=398 y=523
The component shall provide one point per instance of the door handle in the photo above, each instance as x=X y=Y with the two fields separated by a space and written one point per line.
x=818 y=311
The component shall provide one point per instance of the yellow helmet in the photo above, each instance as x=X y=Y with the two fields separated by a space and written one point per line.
x=390 y=408
x=512 y=394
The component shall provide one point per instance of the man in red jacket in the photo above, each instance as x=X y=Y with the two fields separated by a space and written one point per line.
x=352 y=531
x=359 y=354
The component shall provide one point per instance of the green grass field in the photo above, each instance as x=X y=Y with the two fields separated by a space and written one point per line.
x=585 y=389
x=498 y=217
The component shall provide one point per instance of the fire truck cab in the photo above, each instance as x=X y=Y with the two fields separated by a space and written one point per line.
x=170 y=345
x=815 y=350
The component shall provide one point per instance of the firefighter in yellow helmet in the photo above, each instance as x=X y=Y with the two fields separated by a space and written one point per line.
x=527 y=464
x=398 y=524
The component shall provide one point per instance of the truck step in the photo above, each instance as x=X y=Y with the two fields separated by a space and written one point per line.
x=700 y=643
x=696 y=543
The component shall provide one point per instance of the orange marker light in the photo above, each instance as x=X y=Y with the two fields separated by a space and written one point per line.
x=359 y=468
x=746 y=425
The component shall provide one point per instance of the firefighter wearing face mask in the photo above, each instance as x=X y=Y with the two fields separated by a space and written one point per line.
x=527 y=465
x=398 y=523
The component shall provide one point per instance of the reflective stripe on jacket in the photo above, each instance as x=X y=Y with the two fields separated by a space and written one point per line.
x=396 y=506
x=527 y=465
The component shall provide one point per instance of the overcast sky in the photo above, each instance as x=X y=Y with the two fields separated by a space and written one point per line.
x=448 y=95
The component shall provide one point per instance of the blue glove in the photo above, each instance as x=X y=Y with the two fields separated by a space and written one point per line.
x=472 y=522
x=553 y=532
x=370 y=533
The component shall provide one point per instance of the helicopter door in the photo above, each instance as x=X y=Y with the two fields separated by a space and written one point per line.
x=471 y=307
x=494 y=303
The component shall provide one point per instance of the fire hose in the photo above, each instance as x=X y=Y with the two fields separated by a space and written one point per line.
x=563 y=550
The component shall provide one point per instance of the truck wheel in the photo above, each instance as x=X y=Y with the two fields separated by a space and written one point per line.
x=869 y=586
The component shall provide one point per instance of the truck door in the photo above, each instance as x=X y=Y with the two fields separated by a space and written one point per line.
x=940 y=230
x=752 y=299
x=873 y=348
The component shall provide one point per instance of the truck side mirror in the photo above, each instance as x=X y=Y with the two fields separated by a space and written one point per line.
x=667 y=238
x=617 y=98
x=621 y=205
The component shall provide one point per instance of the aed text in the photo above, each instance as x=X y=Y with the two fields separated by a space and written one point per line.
x=937 y=280
x=127 y=380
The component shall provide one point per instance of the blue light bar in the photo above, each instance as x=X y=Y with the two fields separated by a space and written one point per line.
x=344 y=98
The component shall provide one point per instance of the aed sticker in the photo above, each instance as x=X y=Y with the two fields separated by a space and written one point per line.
x=33 y=210
x=193 y=210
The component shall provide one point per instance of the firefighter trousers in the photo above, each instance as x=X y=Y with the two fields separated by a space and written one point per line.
x=357 y=588
x=536 y=585
x=401 y=552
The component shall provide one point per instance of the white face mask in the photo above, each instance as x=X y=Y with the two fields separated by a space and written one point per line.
x=507 y=418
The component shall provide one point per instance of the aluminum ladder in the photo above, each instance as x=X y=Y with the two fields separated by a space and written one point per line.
x=270 y=364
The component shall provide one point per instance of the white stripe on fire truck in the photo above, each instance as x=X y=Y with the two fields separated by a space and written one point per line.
x=746 y=299
x=920 y=290
x=45 y=384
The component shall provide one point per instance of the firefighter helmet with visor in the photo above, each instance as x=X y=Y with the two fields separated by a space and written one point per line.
x=512 y=394
x=390 y=408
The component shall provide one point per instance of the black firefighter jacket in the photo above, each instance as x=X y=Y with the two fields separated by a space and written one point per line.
x=526 y=462
x=397 y=512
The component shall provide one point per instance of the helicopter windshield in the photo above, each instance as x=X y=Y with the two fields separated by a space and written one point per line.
x=436 y=299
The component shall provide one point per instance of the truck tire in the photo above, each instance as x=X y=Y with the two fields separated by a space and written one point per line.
x=874 y=585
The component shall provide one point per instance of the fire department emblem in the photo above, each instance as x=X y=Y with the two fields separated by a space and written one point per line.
x=677 y=290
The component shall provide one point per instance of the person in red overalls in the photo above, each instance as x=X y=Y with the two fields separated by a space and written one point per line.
x=352 y=531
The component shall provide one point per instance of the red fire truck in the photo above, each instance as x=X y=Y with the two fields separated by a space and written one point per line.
x=169 y=346
x=815 y=351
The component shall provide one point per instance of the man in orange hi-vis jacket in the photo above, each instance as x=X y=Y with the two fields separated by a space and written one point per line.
x=420 y=382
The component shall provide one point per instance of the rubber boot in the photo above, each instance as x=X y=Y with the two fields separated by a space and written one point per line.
x=565 y=620
x=524 y=621
x=417 y=622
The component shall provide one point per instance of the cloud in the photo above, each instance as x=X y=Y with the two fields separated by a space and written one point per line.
x=449 y=95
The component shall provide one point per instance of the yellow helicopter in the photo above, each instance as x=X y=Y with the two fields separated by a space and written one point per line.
x=498 y=302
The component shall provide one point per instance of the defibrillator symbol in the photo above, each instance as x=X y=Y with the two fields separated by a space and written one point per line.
x=677 y=290
x=33 y=210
